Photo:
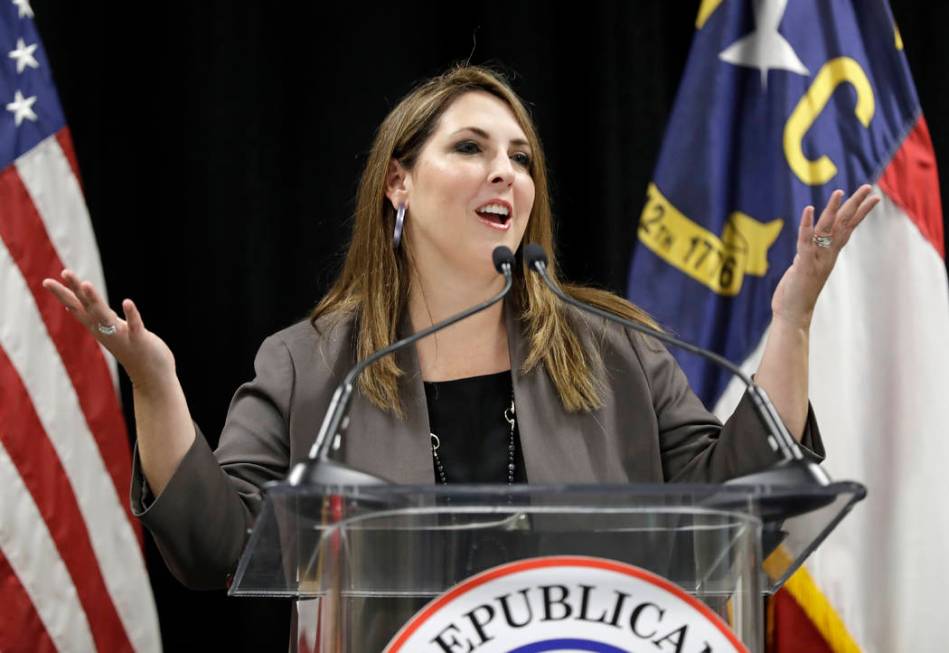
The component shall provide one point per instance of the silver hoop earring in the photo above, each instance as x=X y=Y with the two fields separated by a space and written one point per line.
x=399 y=222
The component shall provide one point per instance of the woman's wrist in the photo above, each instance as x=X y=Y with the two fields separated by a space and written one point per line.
x=155 y=386
x=792 y=323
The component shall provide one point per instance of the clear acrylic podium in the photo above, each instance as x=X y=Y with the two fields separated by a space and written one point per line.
x=363 y=560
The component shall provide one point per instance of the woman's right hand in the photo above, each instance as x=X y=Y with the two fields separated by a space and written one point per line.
x=145 y=357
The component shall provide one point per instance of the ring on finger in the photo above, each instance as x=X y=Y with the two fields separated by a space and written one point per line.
x=107 y=329
x=823 y=240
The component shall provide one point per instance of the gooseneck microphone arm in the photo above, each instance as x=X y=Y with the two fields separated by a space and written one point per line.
x=779 y=438
x=336 y=419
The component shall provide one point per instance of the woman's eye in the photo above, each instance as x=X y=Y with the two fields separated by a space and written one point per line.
x=522 y=158
x=467 y=147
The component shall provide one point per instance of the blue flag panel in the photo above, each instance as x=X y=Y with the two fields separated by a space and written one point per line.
x=29 y=105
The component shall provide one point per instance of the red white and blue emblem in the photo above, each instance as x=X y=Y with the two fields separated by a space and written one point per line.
x=565 y=604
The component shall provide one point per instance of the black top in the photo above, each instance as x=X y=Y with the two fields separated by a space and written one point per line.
x=467 y=415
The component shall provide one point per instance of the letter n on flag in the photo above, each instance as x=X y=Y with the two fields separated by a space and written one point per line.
x=780 y=104
x=72 y=573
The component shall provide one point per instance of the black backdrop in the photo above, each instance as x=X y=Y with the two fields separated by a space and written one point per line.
x=220 y=144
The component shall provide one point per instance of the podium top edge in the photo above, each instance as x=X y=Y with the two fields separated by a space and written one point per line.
x=857 y=490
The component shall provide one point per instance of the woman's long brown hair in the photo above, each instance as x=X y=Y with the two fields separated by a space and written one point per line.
x=373 y=285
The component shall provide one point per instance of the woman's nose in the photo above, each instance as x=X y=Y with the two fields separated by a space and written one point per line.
x=502 y=171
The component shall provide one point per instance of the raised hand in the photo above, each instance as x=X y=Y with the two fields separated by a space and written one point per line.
x=817 y=249
x=145 y=357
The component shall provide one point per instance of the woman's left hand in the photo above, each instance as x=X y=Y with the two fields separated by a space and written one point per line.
x=796 y=295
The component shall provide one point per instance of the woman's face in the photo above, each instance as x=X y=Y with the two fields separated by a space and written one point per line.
x=470 y=189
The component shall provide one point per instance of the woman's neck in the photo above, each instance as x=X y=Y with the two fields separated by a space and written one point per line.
x=475 y=346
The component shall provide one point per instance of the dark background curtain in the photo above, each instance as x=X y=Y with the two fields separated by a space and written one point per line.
x=220 y=145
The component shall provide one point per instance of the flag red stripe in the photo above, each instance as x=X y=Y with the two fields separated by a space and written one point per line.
x=911 y=180
x=793 y=631
x=21 y=628
x=26 y=239
x=42 y=472
x=64 y=138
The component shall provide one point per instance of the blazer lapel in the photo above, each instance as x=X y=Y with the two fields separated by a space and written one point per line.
x=552 y=440
x=381 y=443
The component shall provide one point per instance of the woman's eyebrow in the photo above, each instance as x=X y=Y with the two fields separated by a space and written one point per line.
x=483 y=134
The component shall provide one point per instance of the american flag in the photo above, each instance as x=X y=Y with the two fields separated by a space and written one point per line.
x=72 y=573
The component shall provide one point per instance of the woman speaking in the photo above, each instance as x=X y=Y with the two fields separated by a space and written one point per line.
x=528 y=391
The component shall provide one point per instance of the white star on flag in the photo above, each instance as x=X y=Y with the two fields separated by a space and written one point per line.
x=22 y=108
x=765 y=48
x=24 y=56
x=26 y=11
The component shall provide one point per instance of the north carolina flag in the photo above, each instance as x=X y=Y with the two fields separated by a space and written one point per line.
x=780 y=104
x=72 y=573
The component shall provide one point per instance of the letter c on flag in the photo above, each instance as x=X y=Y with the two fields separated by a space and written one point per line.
x=828 y=78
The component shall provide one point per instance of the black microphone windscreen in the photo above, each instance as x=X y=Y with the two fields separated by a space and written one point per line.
x=534 y=253
x=502 y=255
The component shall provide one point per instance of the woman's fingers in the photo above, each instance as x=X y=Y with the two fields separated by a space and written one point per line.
x=850 y=207
x=83 y=300
x=97 y=309
x=806 y=227
x=866 y=205
x=798 y=290
x=825 y=224
x=66 y=297
x=143 y=355
x=70 y=301
x=840 y=218
x=853 y=212
x=71 y=281
x=132 y=318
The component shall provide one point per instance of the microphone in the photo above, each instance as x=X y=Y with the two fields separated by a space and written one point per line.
x=319 y=469
x=792 y=469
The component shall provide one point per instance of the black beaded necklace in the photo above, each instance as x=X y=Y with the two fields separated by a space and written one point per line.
x=511 y=418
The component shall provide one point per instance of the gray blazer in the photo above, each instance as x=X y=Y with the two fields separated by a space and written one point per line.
x=651 y=429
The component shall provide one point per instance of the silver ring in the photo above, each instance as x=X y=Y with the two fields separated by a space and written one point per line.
x=823 y=241
x=107 y=329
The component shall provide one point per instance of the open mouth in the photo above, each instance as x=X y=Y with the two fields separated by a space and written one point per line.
x=496 y=215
